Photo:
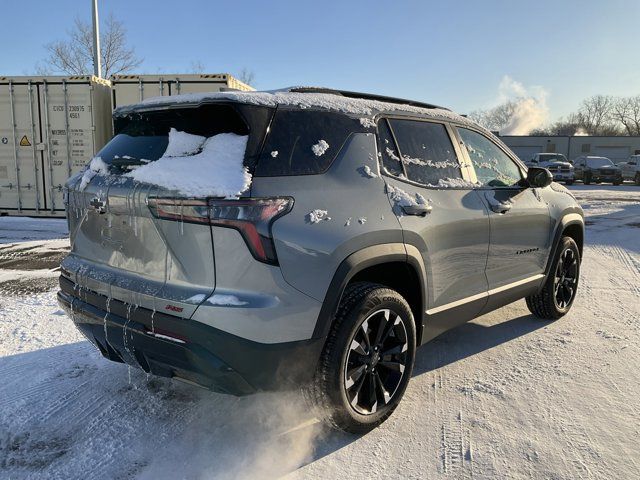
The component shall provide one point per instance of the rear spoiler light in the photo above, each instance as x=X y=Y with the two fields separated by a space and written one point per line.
x=252 y=217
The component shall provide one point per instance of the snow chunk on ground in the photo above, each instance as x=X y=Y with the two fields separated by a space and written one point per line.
x=320 y=147
x=221 y=299
x=183 y=143
x=96 y=167
x=217 y=171
x=316 y=216
x=367 y=123
x=274 y=154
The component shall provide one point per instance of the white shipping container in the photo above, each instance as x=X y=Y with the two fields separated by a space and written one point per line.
x=128 y=89
x=50 y=127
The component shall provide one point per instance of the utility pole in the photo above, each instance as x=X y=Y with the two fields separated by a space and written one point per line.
x=97 y=64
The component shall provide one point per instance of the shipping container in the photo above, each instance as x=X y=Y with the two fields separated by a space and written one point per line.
x=50 y=127
x=128 y=89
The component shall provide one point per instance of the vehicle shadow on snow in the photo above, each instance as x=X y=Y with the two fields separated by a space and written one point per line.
x=469 y=339
x=65 y=411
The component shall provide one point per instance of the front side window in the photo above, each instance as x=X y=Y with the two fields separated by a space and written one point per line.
x=426 y=152
x=494 y=168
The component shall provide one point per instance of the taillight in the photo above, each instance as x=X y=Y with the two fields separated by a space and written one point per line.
x=252 y=217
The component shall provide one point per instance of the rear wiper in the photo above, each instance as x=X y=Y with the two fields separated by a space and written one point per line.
x=125 y=162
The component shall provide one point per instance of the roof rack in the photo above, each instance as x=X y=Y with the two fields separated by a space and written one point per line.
x=364 y=96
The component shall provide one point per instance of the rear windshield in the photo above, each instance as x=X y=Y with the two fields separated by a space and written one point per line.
x=303 y=142
x=143 y=137
x=599 y=162
x=551 y=157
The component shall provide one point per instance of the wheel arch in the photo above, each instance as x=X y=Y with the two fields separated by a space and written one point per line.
x=572 y=225
x=388 y=264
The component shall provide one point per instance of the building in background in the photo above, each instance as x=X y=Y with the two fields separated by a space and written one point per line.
x=618 y=149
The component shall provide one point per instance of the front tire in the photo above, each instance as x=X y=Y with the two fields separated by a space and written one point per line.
x=559 y=291
x=367 y=361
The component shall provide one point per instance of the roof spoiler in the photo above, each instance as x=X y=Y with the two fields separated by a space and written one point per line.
x=364 y=96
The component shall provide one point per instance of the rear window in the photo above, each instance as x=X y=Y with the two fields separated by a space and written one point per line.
x=599 y=162
x=303 y=142
x=143 y=137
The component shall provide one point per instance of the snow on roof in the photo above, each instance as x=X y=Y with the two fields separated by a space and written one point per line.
x=324 y=101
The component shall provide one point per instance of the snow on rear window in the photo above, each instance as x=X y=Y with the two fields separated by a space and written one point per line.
x=319 y=148
x=96 y=167
x=216 y=171
x=183 y=143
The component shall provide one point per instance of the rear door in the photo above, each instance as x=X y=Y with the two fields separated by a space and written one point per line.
x=441 y=216
x=519 y=217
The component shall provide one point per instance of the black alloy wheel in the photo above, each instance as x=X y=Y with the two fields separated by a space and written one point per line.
x=376 y=361
x=566 y=278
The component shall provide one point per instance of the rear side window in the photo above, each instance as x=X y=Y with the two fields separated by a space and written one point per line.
x=426 y=151
x=303 y=142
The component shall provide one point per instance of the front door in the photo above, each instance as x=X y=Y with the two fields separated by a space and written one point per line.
x=441 y=216
x=519 y=218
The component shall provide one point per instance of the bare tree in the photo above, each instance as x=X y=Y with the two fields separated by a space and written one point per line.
x=594 y=115
x=246 y=76
x=496 y=118
x=196 y=66
x=74 y=56
x=626 y=111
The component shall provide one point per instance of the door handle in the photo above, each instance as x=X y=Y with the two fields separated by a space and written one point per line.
x=420 y=210
x=501 y=207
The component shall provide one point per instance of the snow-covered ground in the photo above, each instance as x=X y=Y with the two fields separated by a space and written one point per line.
x=505 y=396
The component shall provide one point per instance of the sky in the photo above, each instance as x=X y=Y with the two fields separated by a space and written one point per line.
x=465 y=55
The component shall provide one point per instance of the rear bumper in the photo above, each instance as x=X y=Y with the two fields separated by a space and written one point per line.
x=561 y=176
x=598 y=177
x=169 y=346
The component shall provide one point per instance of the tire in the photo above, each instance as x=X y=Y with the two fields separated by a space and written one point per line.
x=637 y=179
x=617 y=182
x=559 y=291
x=569 y=182
x=349 y=403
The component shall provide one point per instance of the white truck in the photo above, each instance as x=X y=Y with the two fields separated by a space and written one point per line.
x=631 y=169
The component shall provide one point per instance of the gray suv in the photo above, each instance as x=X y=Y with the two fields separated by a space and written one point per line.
x=369 y=226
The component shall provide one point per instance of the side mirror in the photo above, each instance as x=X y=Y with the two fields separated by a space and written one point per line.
x=538 y=177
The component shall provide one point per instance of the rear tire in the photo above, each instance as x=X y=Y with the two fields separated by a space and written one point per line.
x=367 y=361
x=559 y=291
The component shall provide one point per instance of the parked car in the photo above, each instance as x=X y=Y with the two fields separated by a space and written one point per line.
x=363 y=227
x=557 y=164
x=597 y=169
x=631 y=169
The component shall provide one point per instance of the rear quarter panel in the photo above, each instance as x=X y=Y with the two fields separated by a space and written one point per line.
x=357 y=205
